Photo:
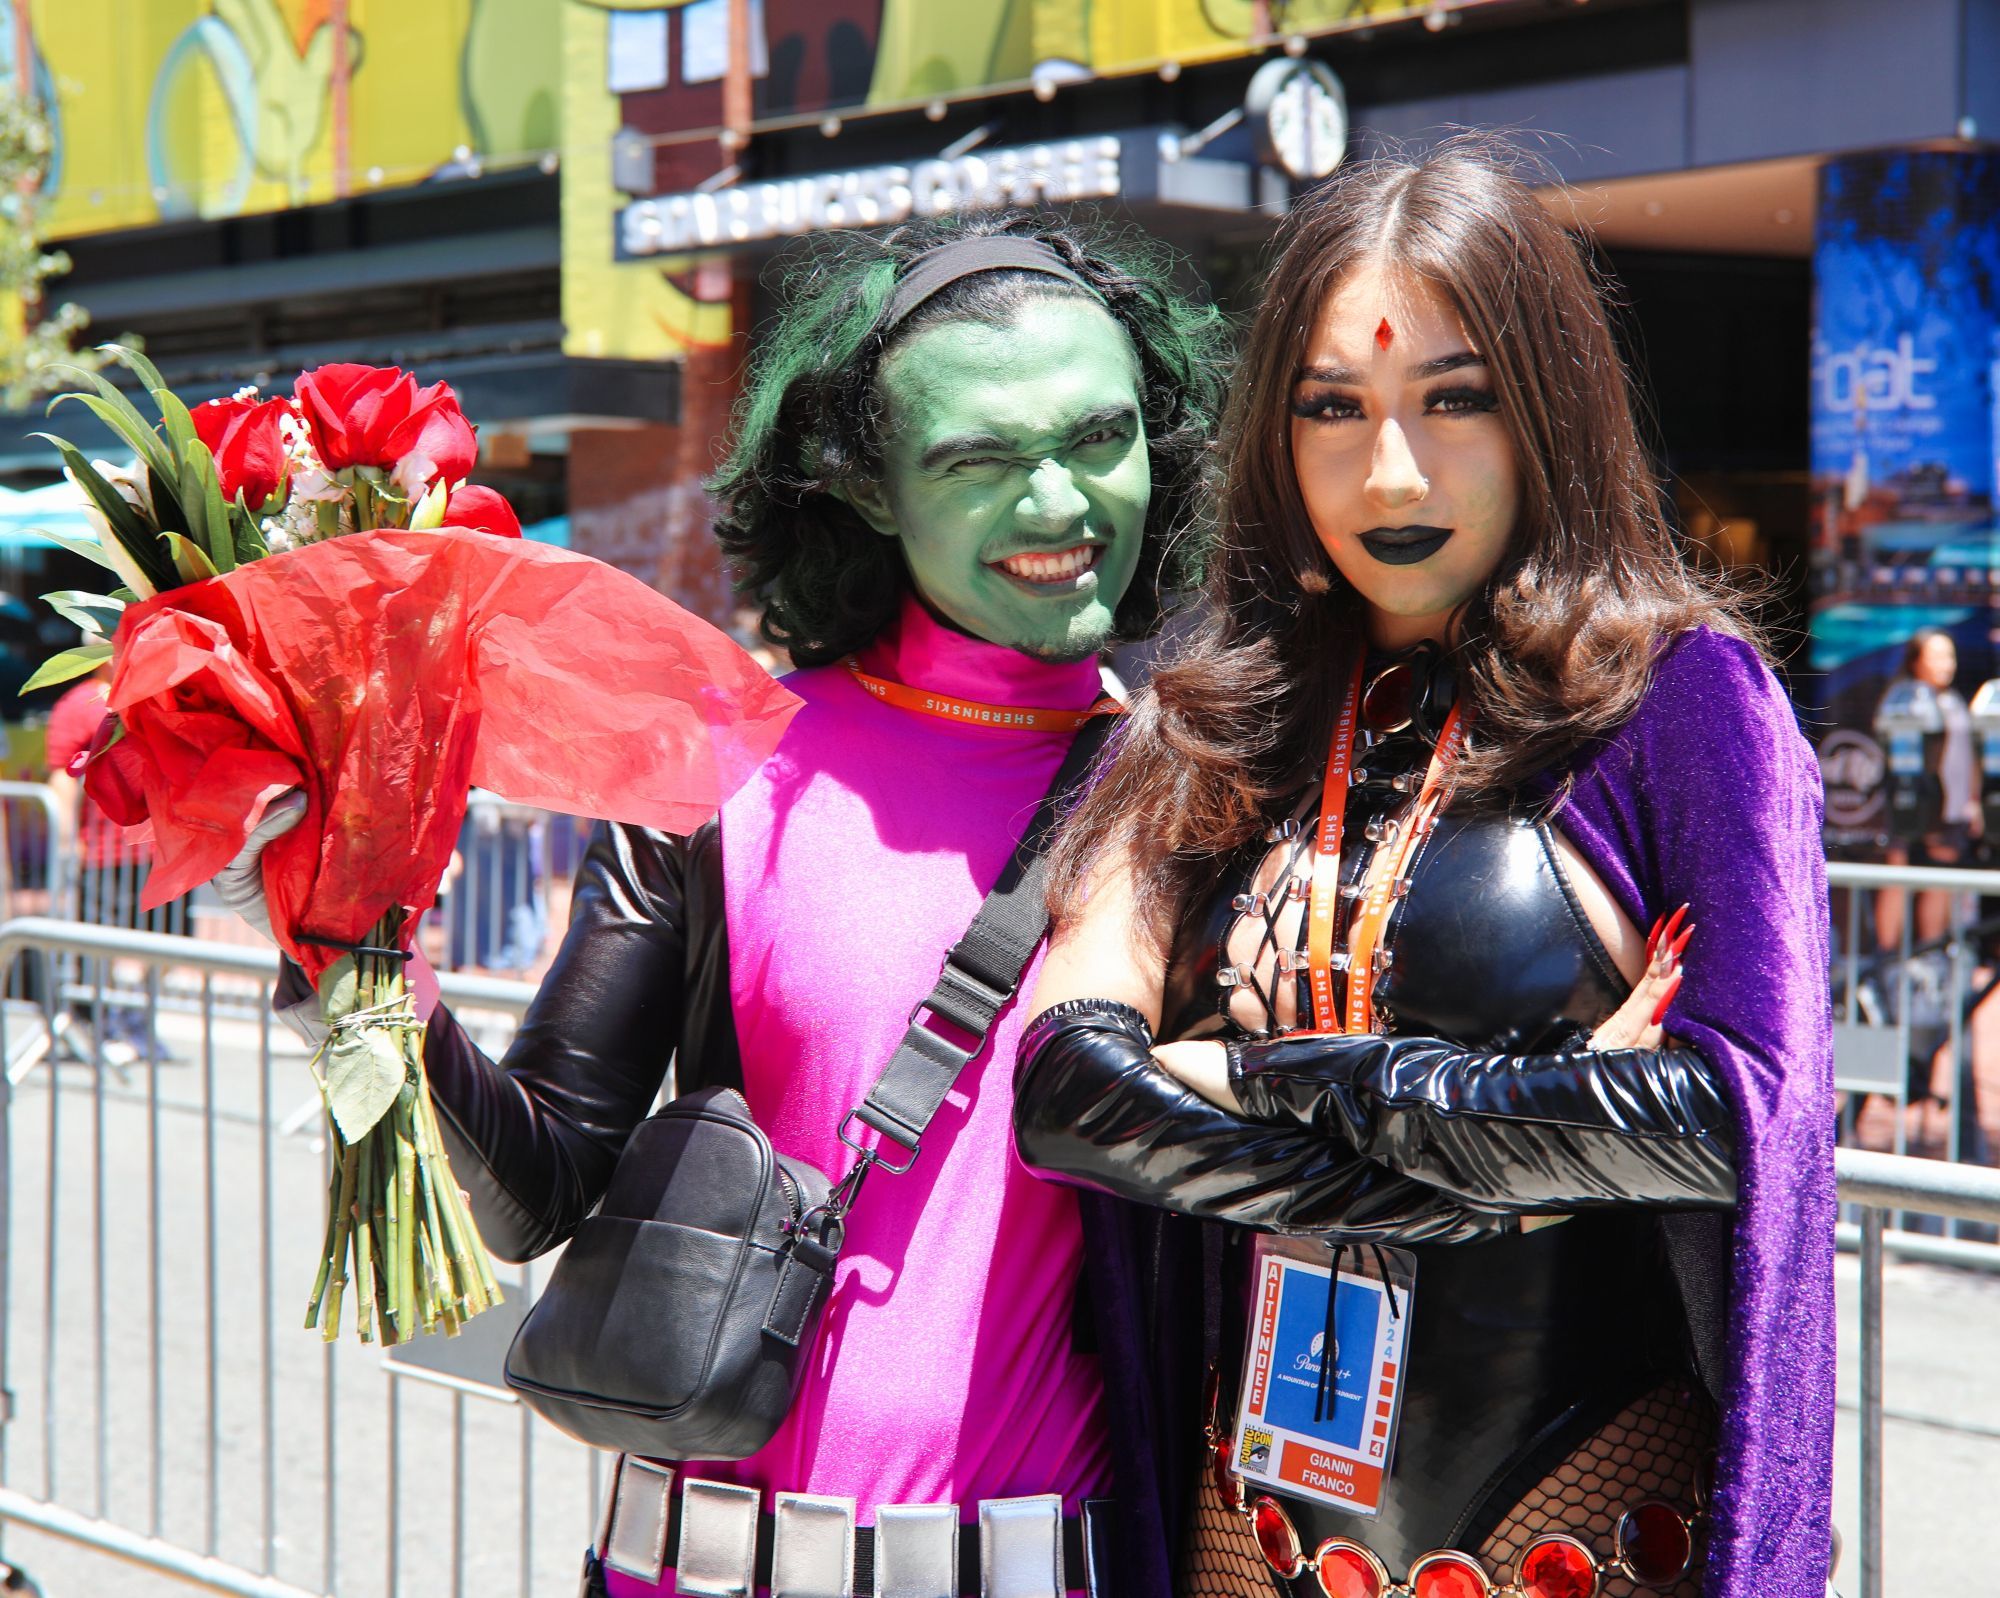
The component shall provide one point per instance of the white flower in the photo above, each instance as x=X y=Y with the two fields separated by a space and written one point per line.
x=133 y=483
x=413 y=475
x=312 y=483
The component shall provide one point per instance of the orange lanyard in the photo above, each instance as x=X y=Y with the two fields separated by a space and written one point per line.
x=971 y=713
x=1392 y=860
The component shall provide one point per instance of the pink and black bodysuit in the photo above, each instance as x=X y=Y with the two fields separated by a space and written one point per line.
x=781 y=948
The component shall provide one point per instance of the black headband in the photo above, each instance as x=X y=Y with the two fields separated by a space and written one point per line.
x=938 y=269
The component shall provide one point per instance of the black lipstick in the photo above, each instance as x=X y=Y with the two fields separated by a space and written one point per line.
x=1404 y=546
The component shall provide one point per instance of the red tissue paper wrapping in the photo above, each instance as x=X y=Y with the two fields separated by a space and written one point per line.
x=385 y=674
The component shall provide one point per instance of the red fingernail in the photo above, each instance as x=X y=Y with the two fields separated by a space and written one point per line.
x=1679 y=946
x=1673 y=924
x=1667 y=998
x=1653 y=938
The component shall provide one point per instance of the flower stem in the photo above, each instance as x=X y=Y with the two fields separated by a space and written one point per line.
x=395 y=1211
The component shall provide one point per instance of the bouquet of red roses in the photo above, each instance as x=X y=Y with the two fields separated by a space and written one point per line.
x=314 y=599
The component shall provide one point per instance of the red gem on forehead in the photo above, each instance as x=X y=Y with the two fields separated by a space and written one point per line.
x=1385 y=335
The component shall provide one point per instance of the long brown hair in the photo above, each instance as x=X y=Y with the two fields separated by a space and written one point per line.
x=1555 y=652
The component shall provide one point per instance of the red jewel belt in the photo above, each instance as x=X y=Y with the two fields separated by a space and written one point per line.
x=1653 y=1545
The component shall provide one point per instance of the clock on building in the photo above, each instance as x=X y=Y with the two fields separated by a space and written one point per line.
x=1298 y=111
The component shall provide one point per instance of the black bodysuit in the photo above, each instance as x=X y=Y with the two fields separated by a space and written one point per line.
x=1479 y=1108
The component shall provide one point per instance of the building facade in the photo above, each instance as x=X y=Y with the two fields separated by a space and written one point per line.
x=571 y=210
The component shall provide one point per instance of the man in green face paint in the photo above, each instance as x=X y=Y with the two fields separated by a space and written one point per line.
x=964 y=456
x=1014 y=474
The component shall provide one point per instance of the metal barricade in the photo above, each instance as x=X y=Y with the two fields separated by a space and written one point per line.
x=505 y=905
x=1896 y=1009
x=164 y=1403
x=1880 y=1184
x=35 y=855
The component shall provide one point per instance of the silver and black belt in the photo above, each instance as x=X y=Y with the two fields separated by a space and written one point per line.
x=721 y=1542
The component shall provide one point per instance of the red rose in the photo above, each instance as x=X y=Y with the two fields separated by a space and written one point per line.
x=482 y=510
x=434 y=441
x=113 y=774
x=351 y=410
x=377 y=416
x=249 y=450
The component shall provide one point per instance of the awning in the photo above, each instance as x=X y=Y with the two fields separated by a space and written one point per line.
x=27 y=516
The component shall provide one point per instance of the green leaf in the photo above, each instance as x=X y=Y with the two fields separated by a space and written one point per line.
x=126 y=356
x=339 y=989
x=96 y=613
x=137 y=539
x=70 y=663
x=124 y=596
x=249 y=532
x=167 y=509
x=365 y=1071
x=180 y=425
x=205 y=489
x=90 y=549
x=191 y=561
x=116 y=412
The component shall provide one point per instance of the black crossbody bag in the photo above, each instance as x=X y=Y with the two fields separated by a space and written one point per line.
x=678 y=1321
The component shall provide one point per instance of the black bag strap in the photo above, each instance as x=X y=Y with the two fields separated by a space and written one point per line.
x=979 y=976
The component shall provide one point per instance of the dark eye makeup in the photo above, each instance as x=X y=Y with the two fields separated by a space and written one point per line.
x=1457 y=399
x=1462 y=399
x=1324 y=405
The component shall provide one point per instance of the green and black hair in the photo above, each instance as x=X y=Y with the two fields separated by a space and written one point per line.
x=811 y=419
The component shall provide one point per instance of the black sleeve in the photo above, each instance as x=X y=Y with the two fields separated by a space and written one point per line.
x=1092 y=1107
x=534 y=1139
x=1533 y=1133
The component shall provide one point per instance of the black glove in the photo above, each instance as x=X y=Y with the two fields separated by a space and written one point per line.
x=1532 y=1132
x=534 y=1139
x=1092 y=1106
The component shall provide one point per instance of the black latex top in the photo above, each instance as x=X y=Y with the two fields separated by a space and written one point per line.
x=1521 y=1340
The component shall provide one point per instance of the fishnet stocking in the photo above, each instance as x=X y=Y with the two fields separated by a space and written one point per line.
x=1654 y=1448
x=1219 y=1557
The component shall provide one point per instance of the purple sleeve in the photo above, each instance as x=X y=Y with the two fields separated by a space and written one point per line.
x=1710 y=796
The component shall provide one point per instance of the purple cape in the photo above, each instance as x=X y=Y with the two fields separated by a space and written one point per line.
x=1710 y=796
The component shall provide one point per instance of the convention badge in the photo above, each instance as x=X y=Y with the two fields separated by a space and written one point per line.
x=1322 y=1393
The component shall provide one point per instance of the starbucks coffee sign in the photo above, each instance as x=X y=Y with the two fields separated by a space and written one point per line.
x=880 y=196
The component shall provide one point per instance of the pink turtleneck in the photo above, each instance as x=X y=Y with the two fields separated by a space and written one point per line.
x=851 y=862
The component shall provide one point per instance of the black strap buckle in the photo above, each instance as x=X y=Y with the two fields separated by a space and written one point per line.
x=891 y=1134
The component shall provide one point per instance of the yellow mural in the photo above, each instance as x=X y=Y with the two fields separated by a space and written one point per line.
x=176 y=109
x=169 y=109
x=631 y=310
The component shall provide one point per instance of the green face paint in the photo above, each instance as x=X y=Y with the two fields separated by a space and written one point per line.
x=1015 y=474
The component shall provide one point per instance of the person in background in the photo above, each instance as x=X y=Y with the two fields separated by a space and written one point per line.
x=1931 y=658
x=498 y=908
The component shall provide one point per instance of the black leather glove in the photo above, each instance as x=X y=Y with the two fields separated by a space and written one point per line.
x=534 y=1139
x=1092 y=1106
x=1534 y=1132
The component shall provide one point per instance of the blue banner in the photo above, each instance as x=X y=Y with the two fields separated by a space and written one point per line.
x=1905 y=435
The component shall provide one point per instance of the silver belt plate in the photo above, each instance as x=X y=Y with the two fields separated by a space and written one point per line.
x=812 y=1553
x=1020 y=1547
x=916 y=1551
x=718 y=1552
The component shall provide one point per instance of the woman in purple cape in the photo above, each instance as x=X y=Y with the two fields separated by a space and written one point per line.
x=1460 y=721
